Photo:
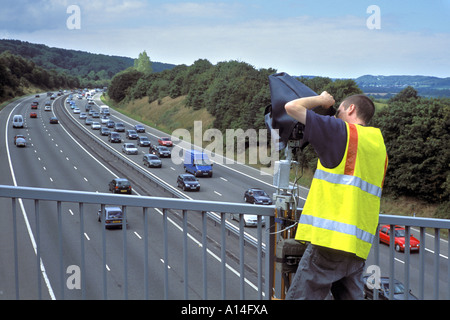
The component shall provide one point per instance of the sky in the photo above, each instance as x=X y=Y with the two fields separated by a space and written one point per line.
x=337 y=39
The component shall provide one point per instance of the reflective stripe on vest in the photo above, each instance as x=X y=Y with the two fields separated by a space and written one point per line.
x=348 y=180
x=337 y=226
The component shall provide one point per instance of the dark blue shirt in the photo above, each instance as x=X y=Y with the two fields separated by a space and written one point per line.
x=328 y=136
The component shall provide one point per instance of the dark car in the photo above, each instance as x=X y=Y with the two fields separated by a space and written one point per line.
x=112 y=215
x=143 y=141
x=257 y=196
x=383 y=291
x=114 y=137
x=187 y=181
x=161 y=151
x=110 y=124
x=151 y=160
x=120 y=185
x=132 y=134
x=54 y=120
x=139 y=128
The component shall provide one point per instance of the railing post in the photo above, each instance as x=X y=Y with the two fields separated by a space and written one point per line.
x=437 y=251
x=38 y=248
x=16 y=255
x=269 y=258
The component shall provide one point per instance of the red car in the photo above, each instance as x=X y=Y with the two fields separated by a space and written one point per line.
x=165 y=141
x=399 y=241
x=33 y=115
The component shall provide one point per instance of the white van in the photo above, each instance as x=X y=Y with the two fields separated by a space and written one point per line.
x=18 y=121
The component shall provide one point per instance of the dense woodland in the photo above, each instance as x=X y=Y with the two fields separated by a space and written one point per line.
x=416 y=129
x=19 y=75
x=91 y=70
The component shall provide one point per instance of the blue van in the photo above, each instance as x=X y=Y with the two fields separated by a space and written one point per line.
x=197 y=163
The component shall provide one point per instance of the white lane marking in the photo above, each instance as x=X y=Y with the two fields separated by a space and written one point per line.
x=24 y=213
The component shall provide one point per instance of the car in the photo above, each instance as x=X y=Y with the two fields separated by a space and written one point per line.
x=143 y=141
x=151 y=160
x=120 y=185
x=160 y=151
x=34 y=105
x=187 y=181
x=33 y=114
x=95 y=115
x=383 y=291
x=119 y=127
x=129 y=148
x=139 y=128
x=96 y=125
x=88 y=121
x=104 y=119
x=399 y=241
x=250 y=220
x=20 y=140
x=132 y=134
x=76 y=110
x=165 y=141
x=114 y=137
x=113 y=216
x=17 y=121
x=104 y=131
x=47 y=108
x=257 y=196
x=110 y=124
x=54 y=120
x=83 y=115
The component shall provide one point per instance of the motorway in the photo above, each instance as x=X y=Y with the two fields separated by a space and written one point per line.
x=72 y=156
x=68 y=156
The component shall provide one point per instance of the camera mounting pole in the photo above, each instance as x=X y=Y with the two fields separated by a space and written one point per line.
x=286 y=217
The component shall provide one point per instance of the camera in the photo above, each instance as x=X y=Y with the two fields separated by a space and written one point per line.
x=285 y=88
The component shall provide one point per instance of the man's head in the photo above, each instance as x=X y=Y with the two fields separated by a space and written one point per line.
x=356 y=109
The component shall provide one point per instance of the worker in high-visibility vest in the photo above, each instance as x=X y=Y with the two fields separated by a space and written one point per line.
x=340 y=216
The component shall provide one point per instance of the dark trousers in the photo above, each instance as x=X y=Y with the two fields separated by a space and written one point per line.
x=323 y=270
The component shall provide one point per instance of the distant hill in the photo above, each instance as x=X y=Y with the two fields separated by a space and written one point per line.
x=387 y=86
x=87 y=66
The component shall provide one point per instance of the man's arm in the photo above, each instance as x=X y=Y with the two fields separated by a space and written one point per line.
x=297 y=108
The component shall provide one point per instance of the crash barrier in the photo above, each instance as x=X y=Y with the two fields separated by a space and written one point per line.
x=171 y=249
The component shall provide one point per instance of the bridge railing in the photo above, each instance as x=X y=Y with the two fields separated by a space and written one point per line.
x=230 y=261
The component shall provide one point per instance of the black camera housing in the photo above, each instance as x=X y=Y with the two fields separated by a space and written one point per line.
x=284 y=88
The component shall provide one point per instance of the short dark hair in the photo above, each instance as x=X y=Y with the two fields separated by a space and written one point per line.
x=365 y=108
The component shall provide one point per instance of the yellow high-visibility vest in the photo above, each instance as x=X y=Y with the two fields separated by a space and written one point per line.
x=343 y=204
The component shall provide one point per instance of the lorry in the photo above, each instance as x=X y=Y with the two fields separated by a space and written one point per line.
x=197 y=163
x=104 y=110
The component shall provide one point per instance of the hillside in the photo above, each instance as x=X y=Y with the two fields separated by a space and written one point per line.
x=387 y=86
x=92 y=69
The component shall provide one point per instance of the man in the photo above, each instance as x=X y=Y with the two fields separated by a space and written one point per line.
x=340 y=216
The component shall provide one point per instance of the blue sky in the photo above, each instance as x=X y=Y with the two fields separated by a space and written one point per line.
x=322 y=37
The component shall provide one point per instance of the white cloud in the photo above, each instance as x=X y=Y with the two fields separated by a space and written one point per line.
x=340 y=46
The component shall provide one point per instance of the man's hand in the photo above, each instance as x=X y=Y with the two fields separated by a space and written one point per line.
x=327 y=100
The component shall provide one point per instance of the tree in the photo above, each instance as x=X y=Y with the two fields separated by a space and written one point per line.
x=122 y=83
x=143 y=63
x=417 y=137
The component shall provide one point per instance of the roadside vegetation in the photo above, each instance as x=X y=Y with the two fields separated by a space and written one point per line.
x=235 y=95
